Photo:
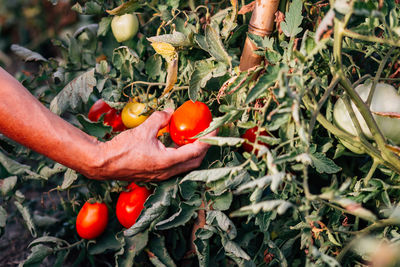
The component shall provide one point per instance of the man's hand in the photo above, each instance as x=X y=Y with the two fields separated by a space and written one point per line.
x=137 y=154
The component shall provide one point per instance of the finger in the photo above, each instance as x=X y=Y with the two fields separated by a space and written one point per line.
x=156 y=121
x=187 y=152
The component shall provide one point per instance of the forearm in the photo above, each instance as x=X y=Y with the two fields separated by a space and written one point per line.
x=50 y=135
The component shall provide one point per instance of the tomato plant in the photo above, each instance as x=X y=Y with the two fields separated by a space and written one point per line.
x=132 y=114
x=250 y=136
x=329 y=206
x=188 y=120
x=92 y=220
x=130 y=204
x=124 y=27
x=111 y=116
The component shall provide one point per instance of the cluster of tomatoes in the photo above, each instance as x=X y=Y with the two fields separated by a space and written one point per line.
x=187 y=121
x=92 y=219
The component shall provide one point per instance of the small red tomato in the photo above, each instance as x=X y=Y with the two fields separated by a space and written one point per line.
x=111 y=118
x=130 y=204
x=92 y=220
x=250 y=136
x=189 y=120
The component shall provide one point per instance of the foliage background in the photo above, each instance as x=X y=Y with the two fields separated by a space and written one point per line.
x=305 y=200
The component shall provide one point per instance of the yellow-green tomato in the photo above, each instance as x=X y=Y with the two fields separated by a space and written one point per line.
x=124 y=27
x=385 y=99
x=131 y=114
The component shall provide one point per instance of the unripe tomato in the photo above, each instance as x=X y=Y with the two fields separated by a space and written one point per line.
x=250 y=135
x=124 y=27
x=385 y=99
x=189 y=120
x=131 y=114
x=111 y=118
x=130 y=204
x=92 y=220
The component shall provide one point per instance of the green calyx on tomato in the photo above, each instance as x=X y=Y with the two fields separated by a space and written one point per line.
x=112 y=117
x=250 y=136
x=190 y=119
x=124 y=27
x=385 y=100
x=92 y=220
x=130 y=204
x=132 y=114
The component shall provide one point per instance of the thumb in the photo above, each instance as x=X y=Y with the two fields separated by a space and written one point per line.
x=157 y=120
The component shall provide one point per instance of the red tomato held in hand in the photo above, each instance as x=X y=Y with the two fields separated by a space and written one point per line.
x=250 y=135
x=189 y=120
x=130 y=204
x=92 y=220
x=111 y=118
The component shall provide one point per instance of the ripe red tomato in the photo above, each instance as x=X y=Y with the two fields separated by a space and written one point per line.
x=111 y=118
x=130 y=204
x=92 y=220
x=250 y=135
x=189 y=120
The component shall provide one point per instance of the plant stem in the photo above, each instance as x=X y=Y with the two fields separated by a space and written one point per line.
x=372 y=39
x=371 y=172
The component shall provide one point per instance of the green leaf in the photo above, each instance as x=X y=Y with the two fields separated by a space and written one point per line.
x=215 y=46
x=210 y=175
x=223 y=202
x=47 y=172
x=275 y=180
x=293 y=18
x=324 y=164
x=219 y=121
x=155 y=206
x=262 y=42
x=154 y=66
x=223 y=141
x=3 y=217
x=263 y=83
x=69 y=178
x=8 y=184
x=104 y=26
x=176 y=39
x=44 y=221
x=78 y=90
x=234 y=249
x=27 y=218
x=279 y=205
x=124 y=59
x=132 y=246
x=98 y=129
x=181 y=217
x=127 y=7
x=26 y=54
x=107 y=241
x=13 y=166
x=47 y=239
x=201 y=75
x=38 y=254
x=223 y=222
x=158 y=248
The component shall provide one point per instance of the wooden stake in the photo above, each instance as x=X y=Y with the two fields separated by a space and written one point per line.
x=261 y=24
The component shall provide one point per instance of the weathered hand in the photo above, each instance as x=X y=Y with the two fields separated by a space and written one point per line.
x=137 y=154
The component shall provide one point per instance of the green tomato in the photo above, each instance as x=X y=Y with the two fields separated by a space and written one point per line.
x=124 y=27
x=385 y=99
